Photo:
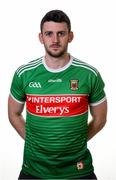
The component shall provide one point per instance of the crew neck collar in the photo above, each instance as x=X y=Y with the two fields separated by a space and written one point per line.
x=59 y=69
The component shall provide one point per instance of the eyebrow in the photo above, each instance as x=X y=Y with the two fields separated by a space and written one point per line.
x=50 y=31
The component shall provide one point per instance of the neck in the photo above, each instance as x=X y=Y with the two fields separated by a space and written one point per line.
x=57 y=62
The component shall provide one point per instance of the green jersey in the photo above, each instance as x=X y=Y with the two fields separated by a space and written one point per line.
x=57 y=104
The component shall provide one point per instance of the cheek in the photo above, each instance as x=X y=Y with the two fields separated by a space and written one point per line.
x=65 y=41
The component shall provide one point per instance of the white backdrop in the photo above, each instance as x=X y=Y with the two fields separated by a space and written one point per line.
x=93 y=23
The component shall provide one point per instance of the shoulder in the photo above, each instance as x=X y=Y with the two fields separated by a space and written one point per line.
x=29 y=67
x=84 y=66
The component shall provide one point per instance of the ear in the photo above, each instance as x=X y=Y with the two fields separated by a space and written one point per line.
x=71 y=36
x=40 y=36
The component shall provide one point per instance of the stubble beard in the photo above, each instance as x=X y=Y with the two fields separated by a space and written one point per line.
x=56 y=54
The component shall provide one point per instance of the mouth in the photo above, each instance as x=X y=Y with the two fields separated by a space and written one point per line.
x=55 y=46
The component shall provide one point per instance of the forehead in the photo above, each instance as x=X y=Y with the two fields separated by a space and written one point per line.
x=55 y=26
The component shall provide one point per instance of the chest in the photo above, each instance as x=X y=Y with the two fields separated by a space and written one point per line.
x=57 y=94
x=71 y=82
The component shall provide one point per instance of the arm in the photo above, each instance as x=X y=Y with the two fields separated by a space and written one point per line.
x=15 y=116
x=99 y=113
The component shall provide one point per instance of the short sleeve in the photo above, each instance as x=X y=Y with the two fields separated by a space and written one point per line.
x=97 y=94
x=16 y=89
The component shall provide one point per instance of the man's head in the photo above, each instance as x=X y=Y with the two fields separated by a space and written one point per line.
x=55 y=33
x=56 y=16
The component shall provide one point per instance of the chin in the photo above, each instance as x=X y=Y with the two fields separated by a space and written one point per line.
x=59 y=54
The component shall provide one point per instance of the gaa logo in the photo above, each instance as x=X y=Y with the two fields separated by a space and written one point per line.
x=34 y=85
x=74 y=84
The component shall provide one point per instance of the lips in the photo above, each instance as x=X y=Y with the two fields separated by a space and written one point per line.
x=55 y=46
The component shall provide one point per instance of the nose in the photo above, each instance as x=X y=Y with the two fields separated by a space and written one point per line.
x=55 y=38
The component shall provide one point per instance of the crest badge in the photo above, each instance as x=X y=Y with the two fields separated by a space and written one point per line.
x=74 y=84
x=80 y=165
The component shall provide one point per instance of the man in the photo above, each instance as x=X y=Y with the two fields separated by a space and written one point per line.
x=58 y=90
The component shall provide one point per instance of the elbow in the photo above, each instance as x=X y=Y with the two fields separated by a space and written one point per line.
x=103 y=123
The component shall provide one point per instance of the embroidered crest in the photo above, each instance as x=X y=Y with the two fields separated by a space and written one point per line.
x=74 y=84
x=80 y=165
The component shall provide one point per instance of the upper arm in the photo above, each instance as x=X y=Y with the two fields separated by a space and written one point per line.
x=14 y=107
x=97 y=98
x=17 y=90
x=99 y=112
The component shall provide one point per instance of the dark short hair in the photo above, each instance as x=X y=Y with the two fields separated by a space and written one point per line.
x=56 y=16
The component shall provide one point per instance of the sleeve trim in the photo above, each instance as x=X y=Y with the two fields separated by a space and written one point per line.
x=21 y=102
x=99 y=102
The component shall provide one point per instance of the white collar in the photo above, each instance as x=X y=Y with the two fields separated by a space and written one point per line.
x=59 y=69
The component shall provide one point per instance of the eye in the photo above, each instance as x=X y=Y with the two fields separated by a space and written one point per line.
x=48 y=33
x=61 y=33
